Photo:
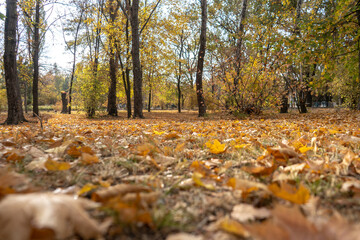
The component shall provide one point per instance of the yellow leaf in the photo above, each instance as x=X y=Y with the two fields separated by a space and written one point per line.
x=216 y=147
x=197 y=180
x=158 y=133
x=289 y=192
x=86 y=188
x=332 y=131
x=52 y=165
x=304 y=149
x=234 y=227
x=241 y=146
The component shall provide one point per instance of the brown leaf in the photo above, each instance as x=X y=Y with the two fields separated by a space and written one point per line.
x=46 y=213
x=89 y=159
x=118 y=190
x=267 y=230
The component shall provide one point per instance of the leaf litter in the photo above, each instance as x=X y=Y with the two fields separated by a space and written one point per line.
x=173 y=176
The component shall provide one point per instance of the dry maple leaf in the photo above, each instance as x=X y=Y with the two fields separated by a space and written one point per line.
x=56 y=216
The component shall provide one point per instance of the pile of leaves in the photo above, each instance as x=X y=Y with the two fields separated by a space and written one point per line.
x=174 y=176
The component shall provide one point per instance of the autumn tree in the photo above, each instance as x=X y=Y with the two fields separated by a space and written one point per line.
x=15 y=110
x=73 y=26
x=113 y=8
x=200 y=65
x=31 y=11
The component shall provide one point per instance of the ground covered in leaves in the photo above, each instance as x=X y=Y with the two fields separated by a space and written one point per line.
x=175 y=176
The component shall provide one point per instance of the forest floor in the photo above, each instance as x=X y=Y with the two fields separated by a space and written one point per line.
x=176 y=176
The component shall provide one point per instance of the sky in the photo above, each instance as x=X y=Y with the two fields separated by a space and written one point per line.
x=54 y=48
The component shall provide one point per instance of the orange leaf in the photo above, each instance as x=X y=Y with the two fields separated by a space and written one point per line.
x=74 y=152
x=89 y=159
x=14 y=157
x=52 y=165
x=261 y=170
x=289 y=192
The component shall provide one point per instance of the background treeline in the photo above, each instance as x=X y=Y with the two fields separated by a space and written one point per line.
x=259 y=54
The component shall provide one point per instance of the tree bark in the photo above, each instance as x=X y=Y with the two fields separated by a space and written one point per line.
x=137 y=71
x=111 y=107
x=358 y=19
x=149 y=100
x=15 y=110
x=180 y=71
x=36 y=49
x=64 y=102
x=200 y=65
x=25 y=96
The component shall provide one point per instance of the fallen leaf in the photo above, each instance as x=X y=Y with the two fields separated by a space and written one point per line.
x=197 y=178
x=118 y=190
x=215 y=147
x=289 y=192
x=58 y=216
x=234 y=227
x=246 y=212
x=52 y=165
x=89 y=159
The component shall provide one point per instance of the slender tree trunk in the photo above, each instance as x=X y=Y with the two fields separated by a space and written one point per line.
x=126 y=71
x=149 y=100
x=64 y=102
x=180 y=71
x=25 y=96
x=74 y=60
x=15 y=111
x=200 y=66
x=36 y=49
x=112 y=108
x=137 y=71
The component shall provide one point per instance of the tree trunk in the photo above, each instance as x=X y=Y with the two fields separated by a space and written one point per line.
x=36 y=49
x=112 y=108
x=137 y=71
x=64 y=102
x=15 y=111
x=284 y=104
x=25 y=96
x=358 y=19
x=74 y=60
x=149 y=100
x=200 y=65
x=180 y=71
